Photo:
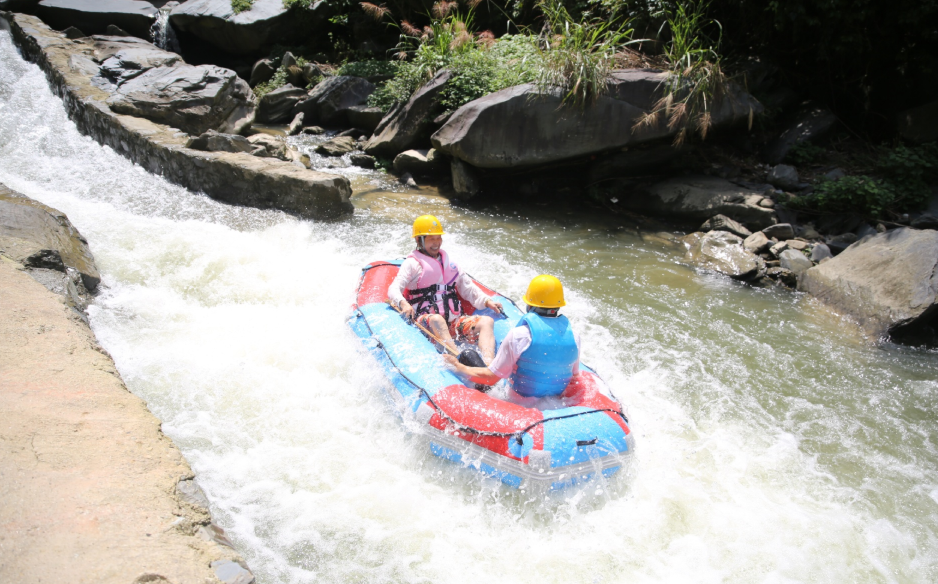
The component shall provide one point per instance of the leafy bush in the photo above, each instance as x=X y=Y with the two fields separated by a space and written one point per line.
x=577 y=56
x=241 y=5
x=804 y=153
x=903 y=185
x=280 y=78
x=370 y=68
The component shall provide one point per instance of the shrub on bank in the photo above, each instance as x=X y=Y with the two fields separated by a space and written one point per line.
x=900 y=183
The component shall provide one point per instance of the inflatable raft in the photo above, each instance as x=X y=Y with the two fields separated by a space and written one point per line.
x=550 y=443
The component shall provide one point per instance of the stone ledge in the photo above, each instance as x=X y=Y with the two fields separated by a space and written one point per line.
x=234 y=178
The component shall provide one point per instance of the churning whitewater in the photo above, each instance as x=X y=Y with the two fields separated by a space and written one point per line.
x=774 y=443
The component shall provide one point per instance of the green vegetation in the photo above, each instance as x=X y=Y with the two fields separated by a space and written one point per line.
x=577 y=56
x=281 y=77
x=241 y=5
x=804 y=153
x=900 y=183
x=369 y=68
x=696 y=78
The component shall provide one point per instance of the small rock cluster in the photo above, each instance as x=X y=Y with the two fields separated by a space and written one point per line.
x=776 y=252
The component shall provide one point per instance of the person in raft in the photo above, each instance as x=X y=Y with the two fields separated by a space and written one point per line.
x=541 y=354
x=425 y=288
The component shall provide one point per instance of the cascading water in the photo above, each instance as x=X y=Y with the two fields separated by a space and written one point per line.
x=773 y=444
x=162 y=32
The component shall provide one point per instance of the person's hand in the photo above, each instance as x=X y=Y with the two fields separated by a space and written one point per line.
x=496 y=306
x=406 y=309
x=451 y=362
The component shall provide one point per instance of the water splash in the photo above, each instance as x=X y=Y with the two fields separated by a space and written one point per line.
x=162 y=32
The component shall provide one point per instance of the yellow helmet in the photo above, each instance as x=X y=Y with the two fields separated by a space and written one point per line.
x=427 y=225
x=544 y=292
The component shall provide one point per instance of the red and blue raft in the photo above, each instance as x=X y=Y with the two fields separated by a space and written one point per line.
x=550 y=443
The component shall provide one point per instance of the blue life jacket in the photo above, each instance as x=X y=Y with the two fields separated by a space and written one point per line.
x=546 y=367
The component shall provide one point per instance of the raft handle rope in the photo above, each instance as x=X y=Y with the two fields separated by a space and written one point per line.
x=518 y=435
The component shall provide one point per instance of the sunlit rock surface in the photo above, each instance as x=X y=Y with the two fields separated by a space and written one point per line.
x=888 y=282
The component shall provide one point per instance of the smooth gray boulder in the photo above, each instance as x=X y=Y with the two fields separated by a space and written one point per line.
x=757 y=242
x=723 y=252
x=337 y=146
x=261 y=72
x=212 y=141
x=693 y=199
x=521 y=126
x=804 y=126
x=328 y=101
x=364 y=117
x=193 y=98
x=419 y=162
x=888 y=282
x=819 y=252
x=94 y=16
x=794 y=260
x=784 y=177
x=43 y=237
x=214 y=21
x=362 y=160
x=407 y=126
x=296 y=125
x=268 y=146
x=277 y=105
x=724 y=223
x=780 y=231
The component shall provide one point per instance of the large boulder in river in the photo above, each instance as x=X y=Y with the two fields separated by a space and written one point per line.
x=406 y=126
x=889 y=282
x=266 y=23
x=193 y=98
x=522 y=126
x=693 y=199
x=94 y=16
x=40 y=236
x=277 y=105
x=133 y=59
x=723 y=252
x=328 y=102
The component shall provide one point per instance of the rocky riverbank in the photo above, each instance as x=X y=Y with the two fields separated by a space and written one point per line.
x=155 y=140
x=93 y=491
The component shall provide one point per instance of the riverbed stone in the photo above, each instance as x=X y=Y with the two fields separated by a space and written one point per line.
x=797 y=244
x=296 y=126
x=39 y=231
x=267 y=23
x=94 y=16
x=889 y=282
x=781 y=231
x=784 y=177
x=409 y=125
x=419 y=162
x=194 y=99
x=777 y=249
x=724 y=223
x=525 y=126
x=364 y=117
x=723 y=252
x=783 y=276
x=807 y=124
x=213 y=141
x=277 y=105
x=795 y=261
x=337 y=146
x=757 y=242
x=268 y=146
x=262 y=72
x=925 y=221
x=130 y=62
x=465 y=181
x=327 y=102
x=697 y=198
x=819 y=252
x=362 y=160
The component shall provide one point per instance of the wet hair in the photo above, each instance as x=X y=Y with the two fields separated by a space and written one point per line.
x=540 y=311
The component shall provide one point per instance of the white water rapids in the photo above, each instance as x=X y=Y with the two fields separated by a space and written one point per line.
x=774 y=444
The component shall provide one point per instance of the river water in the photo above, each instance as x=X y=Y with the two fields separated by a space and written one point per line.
x=775 y=443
